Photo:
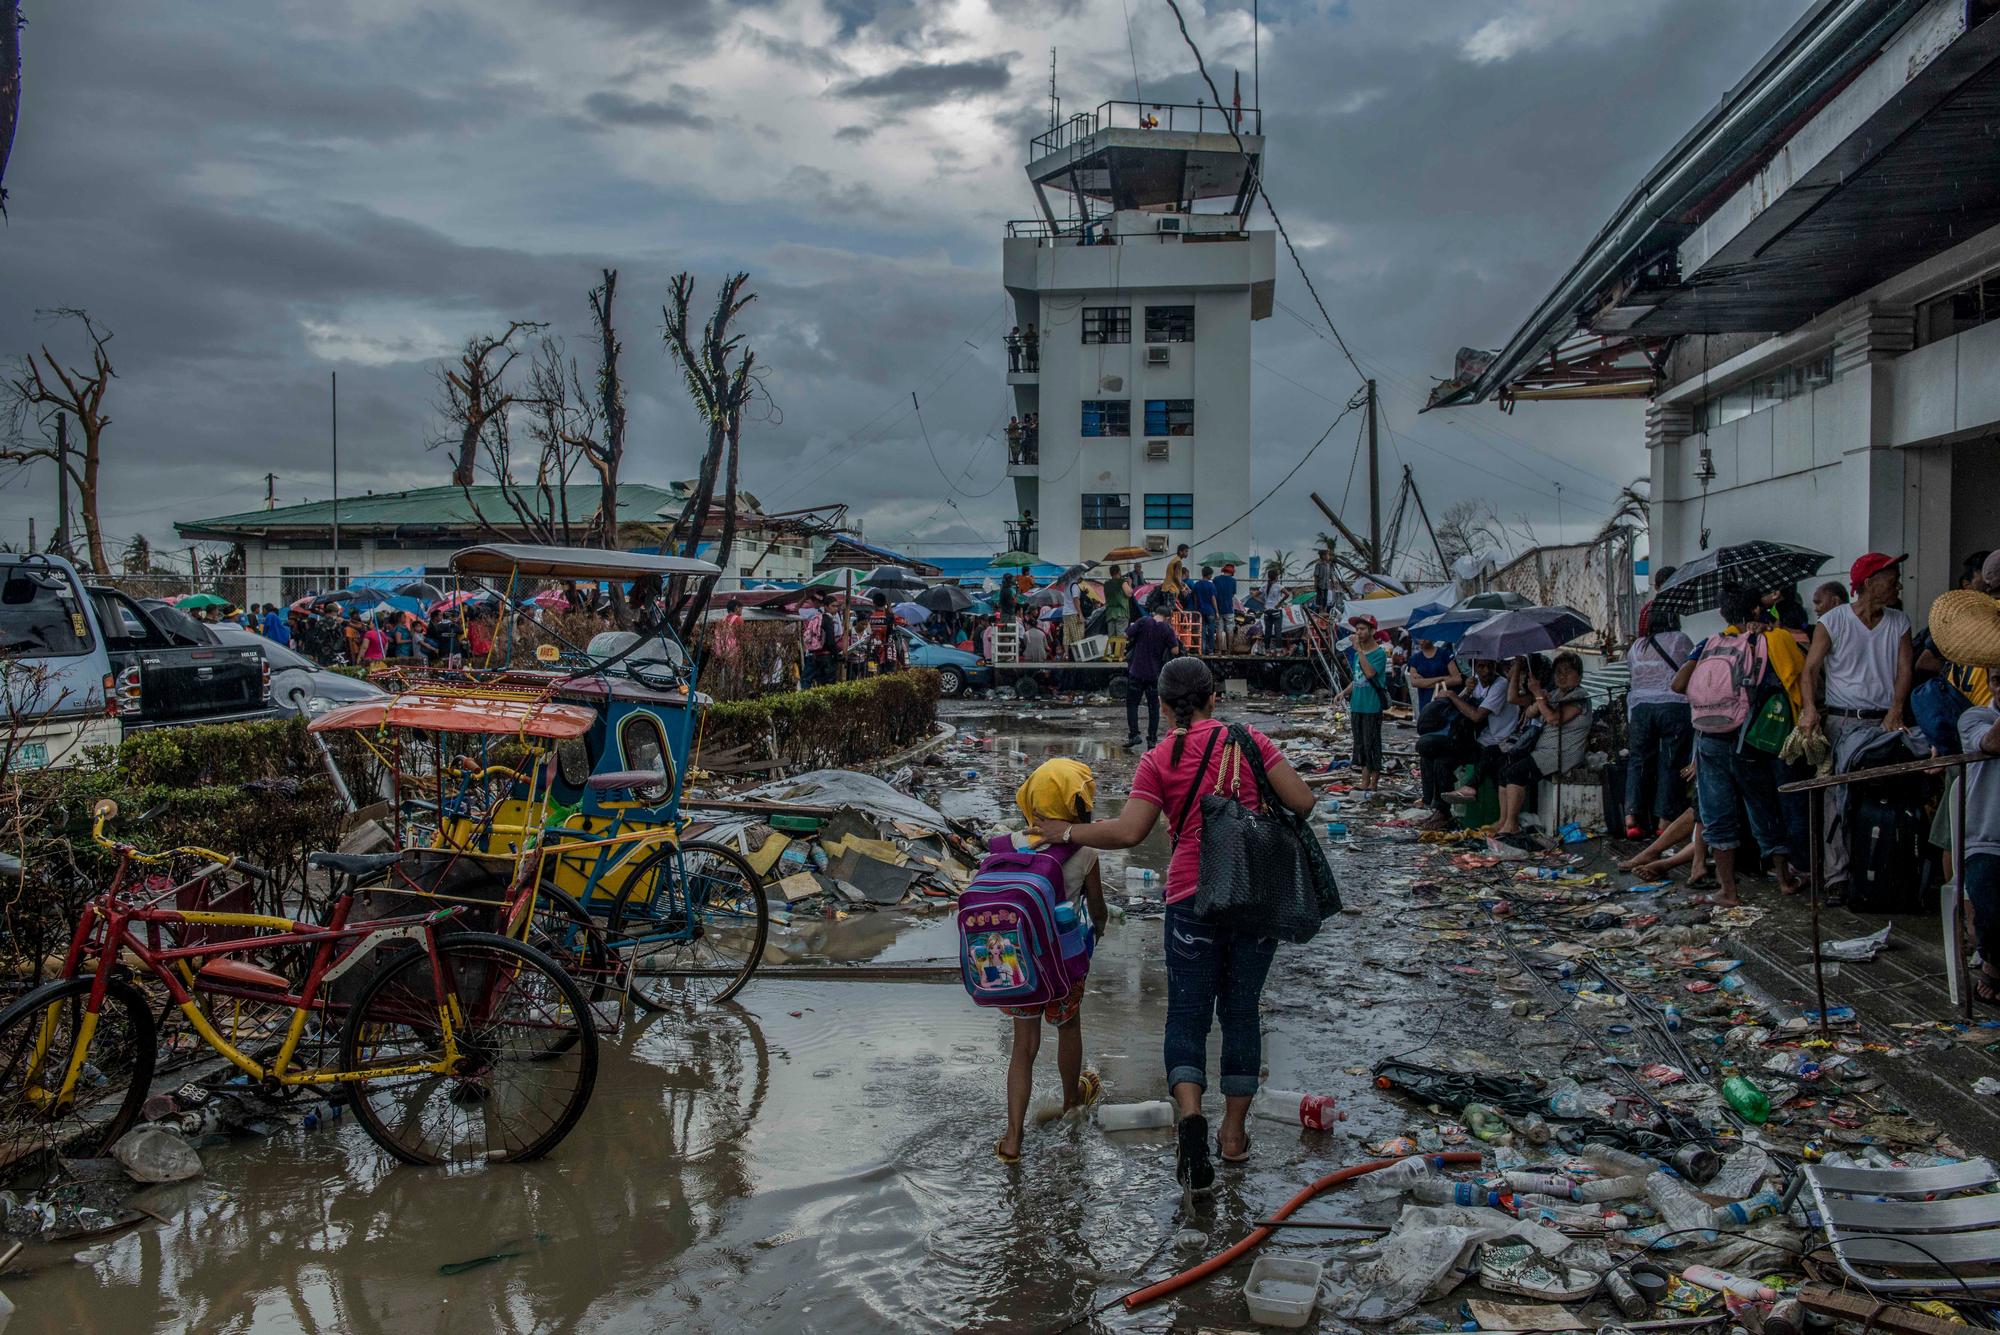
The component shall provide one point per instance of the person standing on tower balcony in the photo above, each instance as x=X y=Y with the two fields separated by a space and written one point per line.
x=1014 y=349
x=1013 y=440
x=1031 y=349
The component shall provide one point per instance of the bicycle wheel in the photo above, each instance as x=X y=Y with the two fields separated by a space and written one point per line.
x=39 y=1034
x=695 y=921
x=527 y=1054
x=563 y=930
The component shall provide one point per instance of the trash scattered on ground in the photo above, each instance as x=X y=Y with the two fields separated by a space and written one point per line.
x=155 y=1153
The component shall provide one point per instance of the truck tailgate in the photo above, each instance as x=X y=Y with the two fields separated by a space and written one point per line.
x=191 y=683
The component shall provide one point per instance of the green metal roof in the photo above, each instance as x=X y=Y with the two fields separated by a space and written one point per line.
x=424 y=508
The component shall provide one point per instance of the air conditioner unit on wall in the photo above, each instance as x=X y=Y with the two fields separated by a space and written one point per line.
x=1156 y=451
x=1170 y=222
x=1157 y=356
x=1156 y=542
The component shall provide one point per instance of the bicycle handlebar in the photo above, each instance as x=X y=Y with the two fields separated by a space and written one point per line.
x=471 y=771
x=107 y=810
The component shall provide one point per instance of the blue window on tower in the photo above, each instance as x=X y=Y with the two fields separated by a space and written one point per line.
x=1170 y=417
x=1107 y=417
x=1170 y=510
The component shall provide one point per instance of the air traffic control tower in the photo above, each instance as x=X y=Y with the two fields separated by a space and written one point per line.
x=1140 y=300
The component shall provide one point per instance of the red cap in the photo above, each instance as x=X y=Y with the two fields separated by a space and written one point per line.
x=1874 y=563
x=1362 y=619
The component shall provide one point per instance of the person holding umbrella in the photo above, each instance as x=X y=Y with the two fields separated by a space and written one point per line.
x=1117 y=611
x=1558 y=729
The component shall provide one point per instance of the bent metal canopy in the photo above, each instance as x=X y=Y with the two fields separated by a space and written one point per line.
x=439 y=711
x=515 y=558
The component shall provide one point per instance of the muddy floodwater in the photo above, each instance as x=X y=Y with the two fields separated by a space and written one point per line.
x=816 y=1158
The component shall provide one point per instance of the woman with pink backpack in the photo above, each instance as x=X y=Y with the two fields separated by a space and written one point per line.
x=1742 y=688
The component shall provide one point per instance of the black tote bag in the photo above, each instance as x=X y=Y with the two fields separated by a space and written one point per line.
x=1262 y=872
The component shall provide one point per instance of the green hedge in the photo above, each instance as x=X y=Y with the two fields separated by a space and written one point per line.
x=829 y=726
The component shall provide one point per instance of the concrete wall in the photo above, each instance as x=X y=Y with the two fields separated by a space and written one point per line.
x=1219 y=279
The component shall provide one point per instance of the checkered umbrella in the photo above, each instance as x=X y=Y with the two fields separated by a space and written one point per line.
x=1763 y=566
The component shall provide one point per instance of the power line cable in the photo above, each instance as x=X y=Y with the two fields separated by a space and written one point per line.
x=1257 y=182
x=1358 y=401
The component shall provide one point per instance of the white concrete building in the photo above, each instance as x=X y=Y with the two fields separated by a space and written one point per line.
x=1807 y=292
x=1141 y=307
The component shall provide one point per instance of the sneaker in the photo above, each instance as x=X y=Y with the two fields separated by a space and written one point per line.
x=1632 y=830
x=1192 y=1168
x=1134 y=740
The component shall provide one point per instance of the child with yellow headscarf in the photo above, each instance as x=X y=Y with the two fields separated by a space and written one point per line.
x=1062 y=790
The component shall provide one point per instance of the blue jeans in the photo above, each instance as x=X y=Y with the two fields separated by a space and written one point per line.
x=1725 y=776
x=1211 y=625
x=1981 y=879
x=1214 y=974
x=1659 y=737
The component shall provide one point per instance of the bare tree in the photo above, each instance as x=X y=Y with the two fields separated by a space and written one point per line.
x=1469 y=528
x=1633 y=510
x=38 y=392
x=721 y=381
x=607 y=456
x=11 y=23
x=474 y=400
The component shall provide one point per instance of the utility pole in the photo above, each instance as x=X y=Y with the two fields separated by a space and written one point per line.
x=62 y=483
x=270 y=491
x=333 y=405
x=1374 y=490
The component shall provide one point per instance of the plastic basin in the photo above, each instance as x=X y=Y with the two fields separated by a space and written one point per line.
x=1282 y=1293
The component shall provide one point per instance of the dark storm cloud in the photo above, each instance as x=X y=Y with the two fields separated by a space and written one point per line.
x=253 y=195
x=922 y=84
x=678 y=113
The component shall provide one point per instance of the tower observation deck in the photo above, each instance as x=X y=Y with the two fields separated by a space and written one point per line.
x=1134 y=292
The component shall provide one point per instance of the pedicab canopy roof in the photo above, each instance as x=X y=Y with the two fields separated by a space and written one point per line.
x=453 y=712
x=511 y=558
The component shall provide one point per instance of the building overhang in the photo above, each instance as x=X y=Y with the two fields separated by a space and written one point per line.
x=1864 y=142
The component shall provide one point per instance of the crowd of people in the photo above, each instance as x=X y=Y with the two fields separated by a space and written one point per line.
x=337 y=634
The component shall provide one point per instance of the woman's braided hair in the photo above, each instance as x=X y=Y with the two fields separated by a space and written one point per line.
x=1185 y=686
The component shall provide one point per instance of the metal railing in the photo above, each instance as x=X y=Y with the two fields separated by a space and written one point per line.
x=1196 y=118
x=1023 y=537
x=1099 y=233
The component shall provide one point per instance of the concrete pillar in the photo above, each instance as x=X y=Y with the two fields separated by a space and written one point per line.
x=1872 y=471
x=1667 y=426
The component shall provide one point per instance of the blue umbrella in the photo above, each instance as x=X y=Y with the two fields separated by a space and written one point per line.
x=1449 y=627
x=914 y=613
x=1529 y=630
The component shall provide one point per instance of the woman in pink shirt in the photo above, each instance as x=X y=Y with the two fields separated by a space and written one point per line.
x=1213 y=972
x=374 y=644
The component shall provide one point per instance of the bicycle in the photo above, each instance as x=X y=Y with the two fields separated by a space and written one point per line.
x=453 y=1046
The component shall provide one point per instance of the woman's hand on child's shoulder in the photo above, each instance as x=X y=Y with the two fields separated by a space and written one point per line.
x=1053 y=831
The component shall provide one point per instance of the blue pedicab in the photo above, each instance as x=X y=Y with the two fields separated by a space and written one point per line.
x=585 y=828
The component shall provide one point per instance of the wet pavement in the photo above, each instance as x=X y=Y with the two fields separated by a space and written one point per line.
x=818 y=1156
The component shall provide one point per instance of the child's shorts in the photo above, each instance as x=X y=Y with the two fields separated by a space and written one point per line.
x=1058 y=1012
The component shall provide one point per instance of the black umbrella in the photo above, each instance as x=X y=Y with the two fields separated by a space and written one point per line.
x=891 y=577
x=1496 y=600
x=1526 y=630
x=1763 y=566
x=944 y=598
x=430 y=593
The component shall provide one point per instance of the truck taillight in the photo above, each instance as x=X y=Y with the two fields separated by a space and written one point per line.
x=110 y=696
x=267 y=678
x=128 y=693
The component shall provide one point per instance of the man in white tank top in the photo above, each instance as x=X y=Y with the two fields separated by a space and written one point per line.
x=1858 y=674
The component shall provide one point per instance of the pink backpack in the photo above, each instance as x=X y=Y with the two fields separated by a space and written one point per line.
x=1724 y=682
x=1020 y=941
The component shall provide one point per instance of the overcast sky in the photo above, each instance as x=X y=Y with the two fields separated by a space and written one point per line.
x=256 y=193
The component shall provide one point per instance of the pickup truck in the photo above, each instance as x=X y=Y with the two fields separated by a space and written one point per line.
x=81 y=665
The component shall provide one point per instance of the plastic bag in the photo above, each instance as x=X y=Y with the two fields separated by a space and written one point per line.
x=1740 y=1175
x=1423 y=1258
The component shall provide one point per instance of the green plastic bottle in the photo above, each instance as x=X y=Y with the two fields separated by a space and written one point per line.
x=1747 y=1099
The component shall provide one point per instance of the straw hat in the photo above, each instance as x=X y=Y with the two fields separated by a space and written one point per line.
x=1966 y=626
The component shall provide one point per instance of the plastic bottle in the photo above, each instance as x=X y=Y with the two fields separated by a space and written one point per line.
x=1557 y=1214
x=1542 y=874
x=1612 y=1159
x=1136 y=1116
x=1611 y=1188
x=1482 y=1121
x=1746 y=1098
x=1140 y=880
x=1405 y=1172
x=1551 y=1184
x=1708 y=1277
x=1679 y=1208
x=1443 y=1191
x=1672 y=1016
x=1065 y=916
x=1314 y=1112
x=1736 y=1214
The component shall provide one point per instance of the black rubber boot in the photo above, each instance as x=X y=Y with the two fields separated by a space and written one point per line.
x=1192 y=1167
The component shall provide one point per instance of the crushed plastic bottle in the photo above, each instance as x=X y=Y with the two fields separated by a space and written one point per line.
x=1550 y=1184
x=1405 y=1172
x=1679 y=1208
x=1747 y=1099
x=1611 y=1188
x=1482 y=1121
x=1738 y=1214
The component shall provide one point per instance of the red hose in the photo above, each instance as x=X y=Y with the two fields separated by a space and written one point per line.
x=1255 y=1238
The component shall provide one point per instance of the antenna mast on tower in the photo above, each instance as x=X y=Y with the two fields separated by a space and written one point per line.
x=1055 y=103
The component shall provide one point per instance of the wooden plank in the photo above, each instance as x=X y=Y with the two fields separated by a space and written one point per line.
x=1878 y=1313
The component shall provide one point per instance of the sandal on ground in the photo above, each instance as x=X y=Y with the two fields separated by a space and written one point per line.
x=1002 y=1155
x=1089 y=1087
x=1701 y=882
x=1192 y=1168
x=1227 y=1157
